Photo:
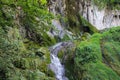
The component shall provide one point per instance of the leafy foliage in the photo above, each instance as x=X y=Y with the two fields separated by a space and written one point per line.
x=23 y=24
x=30 y=16
x=97 y=58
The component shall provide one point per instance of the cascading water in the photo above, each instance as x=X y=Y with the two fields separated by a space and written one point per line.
x=56 y=65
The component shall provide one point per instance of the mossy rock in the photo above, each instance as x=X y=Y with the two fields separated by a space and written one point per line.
x=61 y=54
x=97 y=58
x=20 y=39
x=87 y=27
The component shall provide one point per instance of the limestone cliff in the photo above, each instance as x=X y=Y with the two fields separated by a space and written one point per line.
x=100 y=18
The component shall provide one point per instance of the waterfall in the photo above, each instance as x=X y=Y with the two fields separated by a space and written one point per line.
x=56 y=65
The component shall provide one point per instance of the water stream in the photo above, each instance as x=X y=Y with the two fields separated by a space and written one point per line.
x=56 y=65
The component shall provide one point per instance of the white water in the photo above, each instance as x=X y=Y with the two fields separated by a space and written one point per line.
x=56 y=65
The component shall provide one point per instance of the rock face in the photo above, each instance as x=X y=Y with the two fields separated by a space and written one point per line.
x=100 y=18
x=60 y=31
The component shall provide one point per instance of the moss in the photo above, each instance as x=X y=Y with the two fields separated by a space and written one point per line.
x=85 y=36
x=109 y=4
x=61 y=54
x=96 y=58
x=69 y=67
x=110 y=43
x=19 y=59
x=87 y=27
x=76 y=22
x=88 y=51
x=23 y=37
x=99 y=71
x=30 y=45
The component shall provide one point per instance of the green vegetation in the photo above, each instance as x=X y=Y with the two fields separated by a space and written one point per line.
x=24 y=42
x=76 y=23
x=110 y=4
x=23 y=35
x=97 y=58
